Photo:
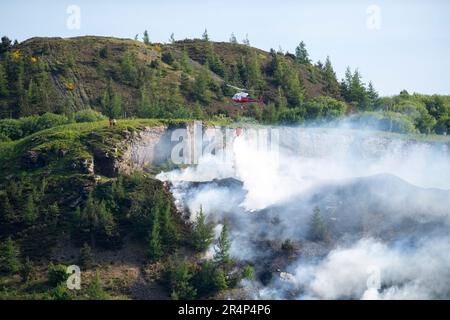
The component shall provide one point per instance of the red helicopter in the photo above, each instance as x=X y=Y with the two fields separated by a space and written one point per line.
x=242 y=97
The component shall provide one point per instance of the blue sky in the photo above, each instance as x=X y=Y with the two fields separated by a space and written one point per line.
x=410 y=50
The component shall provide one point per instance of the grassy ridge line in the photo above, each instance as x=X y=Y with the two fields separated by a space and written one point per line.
x=70 y=138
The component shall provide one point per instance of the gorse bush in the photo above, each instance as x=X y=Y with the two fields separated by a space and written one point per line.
x=88 y=115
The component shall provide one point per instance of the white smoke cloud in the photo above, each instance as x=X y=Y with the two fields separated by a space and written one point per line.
x=422 y=272
x=278 y=192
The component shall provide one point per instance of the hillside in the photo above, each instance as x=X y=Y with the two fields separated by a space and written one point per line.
x=63 y=75
x=196 y=79
x=79 y=194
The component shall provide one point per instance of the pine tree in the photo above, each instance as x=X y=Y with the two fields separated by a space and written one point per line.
x=106 y=226
x=253 y=73
x=203 y=234
x=198 y=113
x=30 y=212
x=4 y=91
x=373 y=96
x=169 y=231
x=106 y=99
x=145 y=106
x=205 y=36
x=116 y=109
x=27 y=99
x=27 y=270
x=54 y=210
x=172 y=38
x=301 y=54
x=201 y=85
x=331 y=83
x=214 y=62
x=222 y=249
x=219 y=281
x=5 y=44
x=185 y=63
x=86 y=256
x=146 y=38
x=88 y=219
x=129 y=69
x=15 y=70
x=317 y=229
x=346 y=83
x=155 y=250
x=180 y=276
x=233 y=39
x=95 y=290
x=8 y=213
x=270 y=114
x=9 y=262
x=118 y=187
x=246 y=41
x=111 y=102
x=357 y=91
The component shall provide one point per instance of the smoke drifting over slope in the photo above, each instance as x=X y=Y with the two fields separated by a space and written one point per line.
x=385 y=200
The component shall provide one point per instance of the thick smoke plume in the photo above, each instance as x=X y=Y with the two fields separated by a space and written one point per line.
x=385 y=199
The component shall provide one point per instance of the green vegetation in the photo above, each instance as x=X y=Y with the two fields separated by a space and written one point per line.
x=180 y=275
x=55 y=97
x=189 y=79
x=95 y=289
x=199 y=279
x=203 y=234
x=221 y=256
x=318 y=230
x=56 y=200
x=15 y=129
x=86 y=257
x=9 y=263
x=57 y=274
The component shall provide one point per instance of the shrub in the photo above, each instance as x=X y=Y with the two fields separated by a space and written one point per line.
x=18 y=128
x=11 y=128
x=291 y=116
x=324 y=107
x=88 y=115
x=27 y=270
x=4 y=138
x=167 y=58
x=48 y=120
x=248 y=273
x=61 y=293
x=57 y=274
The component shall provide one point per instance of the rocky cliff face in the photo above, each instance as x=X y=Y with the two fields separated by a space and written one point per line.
x=145 y=148
x=160 y=145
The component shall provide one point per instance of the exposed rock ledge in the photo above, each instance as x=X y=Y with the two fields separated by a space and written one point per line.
x=152 y=146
